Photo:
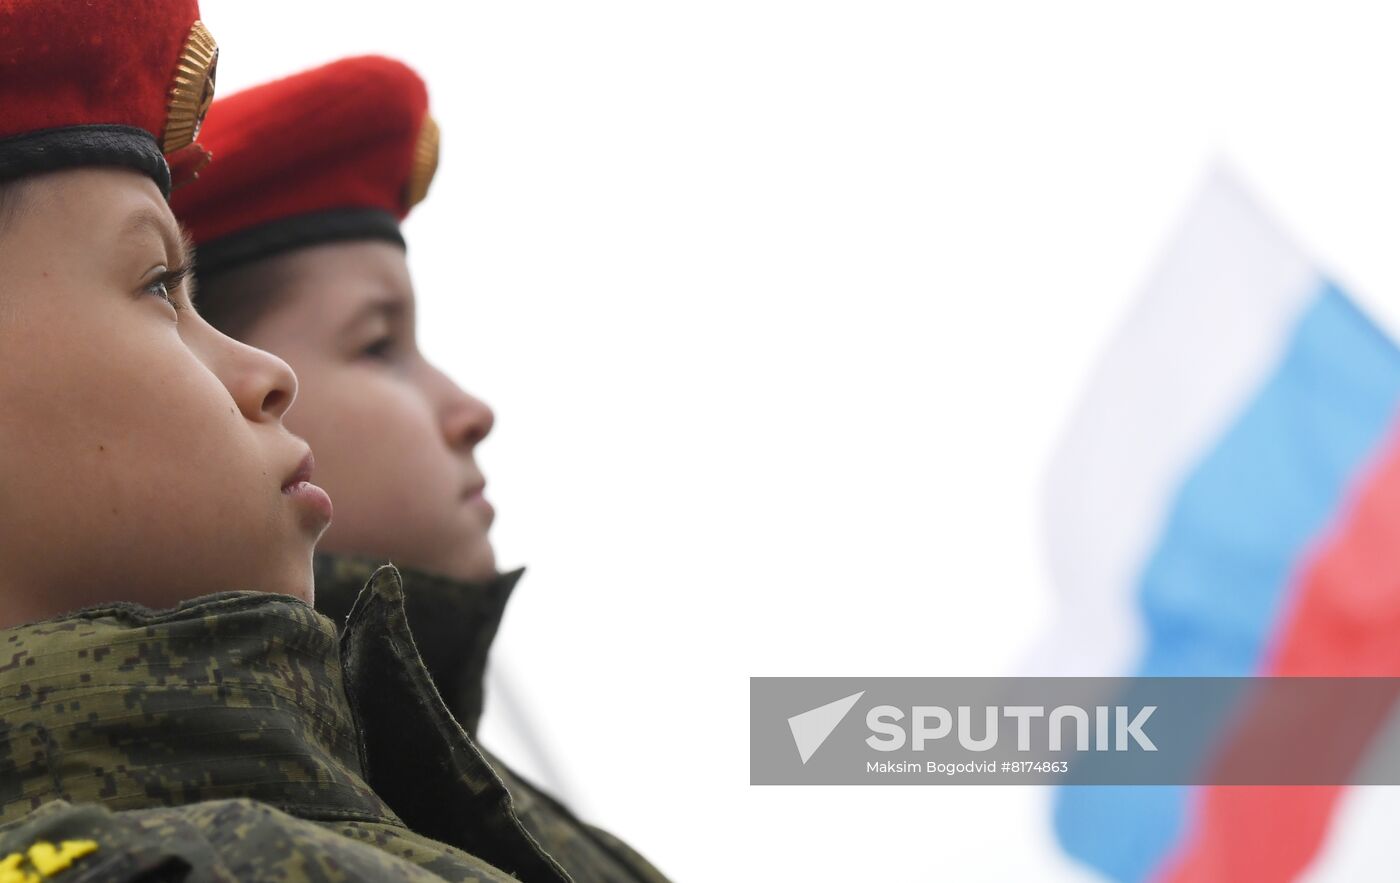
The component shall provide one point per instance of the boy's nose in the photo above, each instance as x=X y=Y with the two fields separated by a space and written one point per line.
x=467 y=420
x=263 y=385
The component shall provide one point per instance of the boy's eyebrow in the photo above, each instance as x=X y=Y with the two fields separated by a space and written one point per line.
x=388 y=305
x=146 y=220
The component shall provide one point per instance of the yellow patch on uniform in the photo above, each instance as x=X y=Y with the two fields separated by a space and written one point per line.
x=10 y=871
x=48 y=860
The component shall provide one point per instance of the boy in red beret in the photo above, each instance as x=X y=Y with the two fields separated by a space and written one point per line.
x=300 y=253
x=170 y=729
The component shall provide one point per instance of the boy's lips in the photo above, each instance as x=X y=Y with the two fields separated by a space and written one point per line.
x=475 y=495
x=315 y=501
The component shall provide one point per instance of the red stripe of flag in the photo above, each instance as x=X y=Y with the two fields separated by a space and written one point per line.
x=1345 y=622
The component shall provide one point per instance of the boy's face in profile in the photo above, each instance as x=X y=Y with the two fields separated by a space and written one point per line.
x=394 y=437
x=142 y=453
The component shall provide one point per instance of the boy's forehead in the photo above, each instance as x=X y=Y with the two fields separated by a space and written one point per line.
x=99 y=204
x=359 y=275
x=335 y=285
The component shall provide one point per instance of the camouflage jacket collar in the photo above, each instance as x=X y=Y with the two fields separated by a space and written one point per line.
x=250 y=695
x=454 y=622
x=236 y=694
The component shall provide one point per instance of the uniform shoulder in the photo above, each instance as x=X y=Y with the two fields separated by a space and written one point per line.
x=587 y=852
x=219 y=840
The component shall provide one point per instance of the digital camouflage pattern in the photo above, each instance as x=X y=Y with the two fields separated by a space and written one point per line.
x=236 y=737
x=453 y=624
x=218 y=840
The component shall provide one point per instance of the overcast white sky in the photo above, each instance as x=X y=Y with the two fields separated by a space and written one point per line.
x=781 y=306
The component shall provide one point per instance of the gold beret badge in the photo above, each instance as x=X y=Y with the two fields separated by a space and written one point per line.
x=193 y=89
x=425 y=162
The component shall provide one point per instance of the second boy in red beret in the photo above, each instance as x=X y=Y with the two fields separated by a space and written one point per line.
x=300 y=253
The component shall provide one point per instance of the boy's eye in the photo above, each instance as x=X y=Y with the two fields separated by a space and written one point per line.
x=380 y=348
x=164 y=286
x=160 y=290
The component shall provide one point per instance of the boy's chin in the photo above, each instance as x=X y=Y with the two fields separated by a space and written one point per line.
x=473 y=560
x=478 y=559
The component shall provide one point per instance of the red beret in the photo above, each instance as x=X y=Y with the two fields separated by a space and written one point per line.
x=113 y=83
x=339 y=152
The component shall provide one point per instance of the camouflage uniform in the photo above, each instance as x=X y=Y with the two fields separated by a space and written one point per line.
x=236 y=738
x=453 y=626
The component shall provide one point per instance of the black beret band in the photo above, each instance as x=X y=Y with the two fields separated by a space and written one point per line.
x=50 y=150
x=299 y=231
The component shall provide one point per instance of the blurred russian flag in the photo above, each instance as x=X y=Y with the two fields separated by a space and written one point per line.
x=1226 y=501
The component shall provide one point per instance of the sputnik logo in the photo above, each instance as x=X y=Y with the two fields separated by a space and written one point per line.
x=811 y=728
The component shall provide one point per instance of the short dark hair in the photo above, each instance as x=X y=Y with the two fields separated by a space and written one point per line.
x=233 y=300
